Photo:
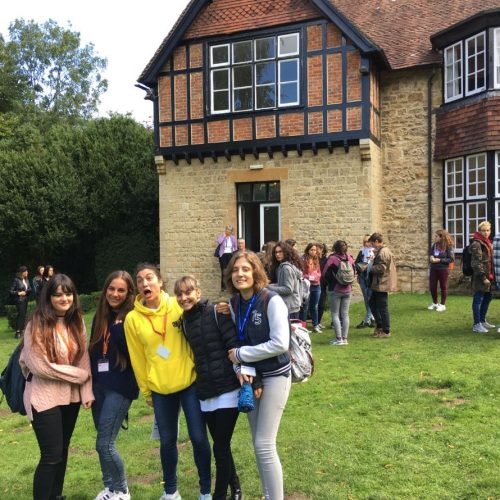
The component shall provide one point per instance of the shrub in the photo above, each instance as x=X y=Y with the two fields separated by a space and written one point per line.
x=87 y=301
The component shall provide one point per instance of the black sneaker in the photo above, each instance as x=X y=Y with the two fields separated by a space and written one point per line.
x=362 y=325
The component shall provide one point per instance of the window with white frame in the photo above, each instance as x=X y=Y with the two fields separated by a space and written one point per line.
x=476 y=213
x=497 y=174
x=261 y=73
x=466 y=195
x=496 y=57
x=454 y=215
x=476 y=176
x=454 y=179
x=475 y=63
x=453 y=72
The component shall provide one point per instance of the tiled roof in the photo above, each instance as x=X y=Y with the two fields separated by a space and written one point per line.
x=402 y=28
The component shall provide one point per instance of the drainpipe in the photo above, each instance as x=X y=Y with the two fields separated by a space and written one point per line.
x=429 y=159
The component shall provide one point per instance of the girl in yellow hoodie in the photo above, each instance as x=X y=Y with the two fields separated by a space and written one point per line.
x=164 y=368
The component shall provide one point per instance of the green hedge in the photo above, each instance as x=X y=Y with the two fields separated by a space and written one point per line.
x=87 y=301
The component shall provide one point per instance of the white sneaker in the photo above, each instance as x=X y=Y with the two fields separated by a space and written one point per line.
x=336 y=342
x=172 y=496
x=433 y=307
x=206 y=496
x=105 y=494
x=121 y=495
x=479 y=328
x=487 y=325
x=317 y=329
x=344 y=341
x=440 y=308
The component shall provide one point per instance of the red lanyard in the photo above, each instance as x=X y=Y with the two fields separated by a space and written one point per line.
x=160 y=333
x=105 y=342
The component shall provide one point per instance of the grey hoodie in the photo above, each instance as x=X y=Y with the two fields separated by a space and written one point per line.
x=288 y=287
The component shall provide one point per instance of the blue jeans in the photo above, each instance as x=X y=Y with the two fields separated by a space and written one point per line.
x=167 y=408
x=312 y=305
x=109 y=410
x=480 y=303
x=339 y=307
x=367 y=293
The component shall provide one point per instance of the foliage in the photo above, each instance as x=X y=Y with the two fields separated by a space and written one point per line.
x=62 y=76
x=70 y=185
x=413 y=416
x=88 y=303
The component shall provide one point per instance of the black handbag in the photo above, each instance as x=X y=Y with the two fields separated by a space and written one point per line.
x=216 y=252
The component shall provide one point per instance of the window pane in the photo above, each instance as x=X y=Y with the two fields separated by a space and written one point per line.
x=265 y=73
x=220 y=79
x=289 y=44
x=221 y=100
x=242 y=76
x=242 y=99
x=242 y=51
x=266 y=96
x=260 y=192
x=265 y=48
x=288 y=93
x=274 y=191
x=289 y=71
x=244 y=192
x=220 y=54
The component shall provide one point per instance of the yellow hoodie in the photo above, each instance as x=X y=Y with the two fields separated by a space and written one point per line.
x=166 y=369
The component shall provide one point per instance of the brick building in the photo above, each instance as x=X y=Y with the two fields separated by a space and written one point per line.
x=324 y=119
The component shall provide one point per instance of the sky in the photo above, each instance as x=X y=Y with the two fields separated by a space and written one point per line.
x=126 y=33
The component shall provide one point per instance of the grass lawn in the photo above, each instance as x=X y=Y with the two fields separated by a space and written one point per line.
x=415 y=416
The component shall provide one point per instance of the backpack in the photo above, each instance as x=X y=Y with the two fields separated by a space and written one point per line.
x=300 y=352
x=467 y=261
x=304 y=290
x=12 y=382
x=345 y=273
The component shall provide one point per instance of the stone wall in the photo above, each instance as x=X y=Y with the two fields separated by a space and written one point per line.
x=324 y=197
x=404 y=158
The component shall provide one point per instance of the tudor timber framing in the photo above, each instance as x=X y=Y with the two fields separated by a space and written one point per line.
x=183 y=148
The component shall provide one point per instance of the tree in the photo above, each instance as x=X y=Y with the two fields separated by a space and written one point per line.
x=62 y=76
x=13 y=85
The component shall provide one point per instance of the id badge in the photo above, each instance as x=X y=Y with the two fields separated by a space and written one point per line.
x=163 y=352
x=103 y=365
x=248 y=370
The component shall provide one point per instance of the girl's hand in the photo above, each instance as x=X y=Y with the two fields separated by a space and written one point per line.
x=231 y=354
x=257 y=393
x=87 y=405
x=149 y=402
x=223 y=308
x=244 y=378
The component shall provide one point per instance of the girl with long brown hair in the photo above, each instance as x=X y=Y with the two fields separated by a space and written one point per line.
x=287 y=267
x=440 y=257
x=312 y=272
x=113 y=379
x=261 y=319
x=56 y=363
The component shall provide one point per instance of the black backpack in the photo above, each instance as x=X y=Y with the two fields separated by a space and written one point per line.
x=467 y=261
x=12 y=382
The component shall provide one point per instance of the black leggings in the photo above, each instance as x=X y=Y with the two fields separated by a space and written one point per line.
x=53 y=429
x=221 y=425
